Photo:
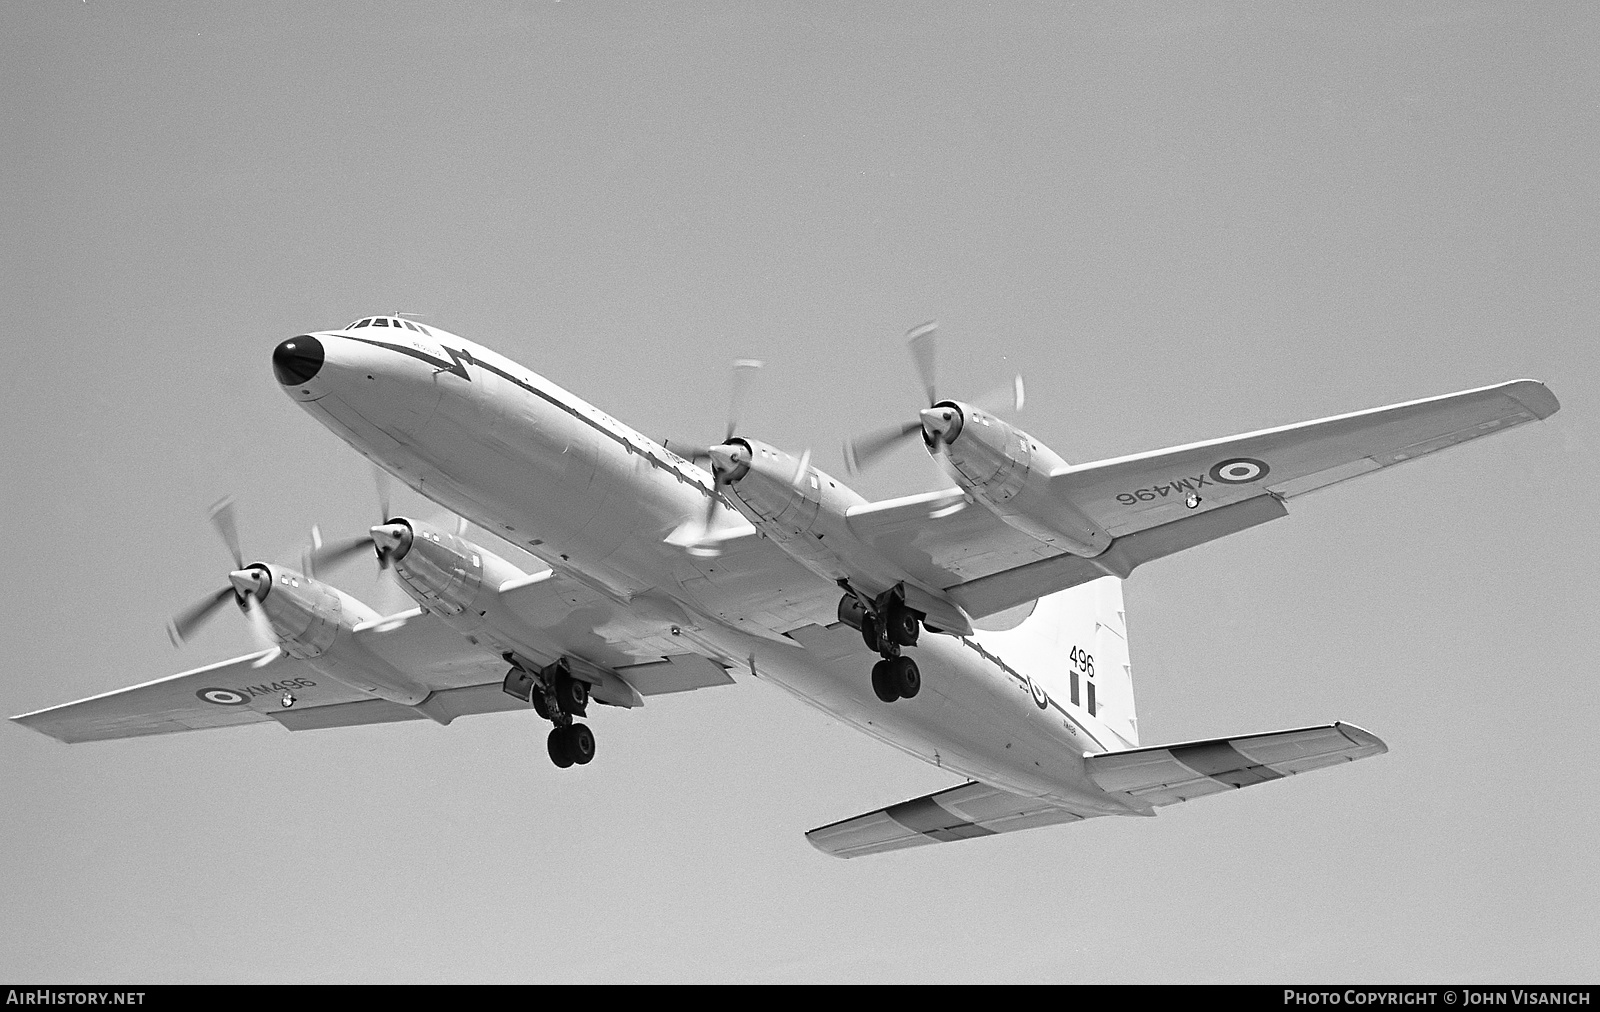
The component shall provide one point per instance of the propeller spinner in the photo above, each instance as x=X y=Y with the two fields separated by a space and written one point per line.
x=729 y=459
x=940 y=422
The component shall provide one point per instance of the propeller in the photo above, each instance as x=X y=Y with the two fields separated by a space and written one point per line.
x=937 y=423
x=246 y=585
x=727 y=459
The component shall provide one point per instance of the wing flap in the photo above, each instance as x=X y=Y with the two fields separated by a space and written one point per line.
x=442 y=707
x=1168 y=774
x=958 y=813
x=1000 y=591
x=678 y=673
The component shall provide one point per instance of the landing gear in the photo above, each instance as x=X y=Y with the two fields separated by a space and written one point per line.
x=557 y=697
x=573 y=743
x=896 y=678
x=886 y=625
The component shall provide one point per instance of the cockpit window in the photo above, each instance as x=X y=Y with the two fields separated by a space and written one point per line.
x=362 y=323
x=409 y=325
x=380 y=322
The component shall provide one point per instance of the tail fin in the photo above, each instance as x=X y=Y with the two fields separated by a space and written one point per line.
x=1075 y=646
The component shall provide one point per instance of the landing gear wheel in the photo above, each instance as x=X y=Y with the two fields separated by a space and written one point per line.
x=905 y=676
x=557 y=746
x=884 y=682
x=903 y=626
x=580 y=743
x=572 y=695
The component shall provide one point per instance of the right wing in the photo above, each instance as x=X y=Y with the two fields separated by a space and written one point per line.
x=241 y=691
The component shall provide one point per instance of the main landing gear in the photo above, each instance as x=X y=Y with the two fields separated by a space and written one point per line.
x=557 y=697
x=886 y=626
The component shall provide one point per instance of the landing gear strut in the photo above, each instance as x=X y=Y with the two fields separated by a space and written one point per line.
x=886 y=625
x=557 y=697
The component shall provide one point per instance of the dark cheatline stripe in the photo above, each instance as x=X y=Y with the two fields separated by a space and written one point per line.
x=455 y=366
x=928 y=817
x=1220 y=761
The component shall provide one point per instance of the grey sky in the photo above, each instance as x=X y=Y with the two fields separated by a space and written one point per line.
x=1178 y=221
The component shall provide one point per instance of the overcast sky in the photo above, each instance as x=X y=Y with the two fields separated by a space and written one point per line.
x=1178 y=221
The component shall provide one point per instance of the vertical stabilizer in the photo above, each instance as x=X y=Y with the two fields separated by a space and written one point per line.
x=1075 y=645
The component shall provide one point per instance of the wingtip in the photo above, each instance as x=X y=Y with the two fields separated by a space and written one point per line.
x=1363 y=737
x=1535 y=396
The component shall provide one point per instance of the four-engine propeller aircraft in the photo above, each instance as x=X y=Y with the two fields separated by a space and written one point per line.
x=664 y=576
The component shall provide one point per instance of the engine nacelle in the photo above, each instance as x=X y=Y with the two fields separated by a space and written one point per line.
x=312 y=621
x=305 y=614
x=1009 y=471
x=446 y=574
x=799 y=507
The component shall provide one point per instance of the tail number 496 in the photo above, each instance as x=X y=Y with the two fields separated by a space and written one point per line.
x=1082 y=660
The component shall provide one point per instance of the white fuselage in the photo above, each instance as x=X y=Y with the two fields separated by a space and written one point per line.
x=543 y=469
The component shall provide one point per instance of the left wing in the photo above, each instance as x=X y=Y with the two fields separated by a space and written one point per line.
x=1157 y=503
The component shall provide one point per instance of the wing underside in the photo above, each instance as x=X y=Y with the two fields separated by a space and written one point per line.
x=1165 y=501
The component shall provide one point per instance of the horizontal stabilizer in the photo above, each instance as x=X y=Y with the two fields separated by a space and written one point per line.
x=959 y=813
x=1168 y=774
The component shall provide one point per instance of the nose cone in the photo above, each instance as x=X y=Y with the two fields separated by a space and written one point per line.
x=297 y=360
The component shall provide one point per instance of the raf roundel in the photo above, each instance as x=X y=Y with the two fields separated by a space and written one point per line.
x=1041 y=698
x=223 y=697
x=1239 y=470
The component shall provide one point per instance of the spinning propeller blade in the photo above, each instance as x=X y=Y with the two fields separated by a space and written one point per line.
x=922 y=342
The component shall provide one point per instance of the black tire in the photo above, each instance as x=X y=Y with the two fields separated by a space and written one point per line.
x=907 y=676
x=557 y=744
x=539 y=706
x=580 y=743
x=883 y=681
x=572 y=695
x=903 y=626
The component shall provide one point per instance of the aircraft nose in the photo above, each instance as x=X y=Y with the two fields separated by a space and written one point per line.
x=297 y=360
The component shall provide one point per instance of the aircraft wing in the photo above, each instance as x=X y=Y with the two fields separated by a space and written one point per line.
x=1148 y=489
x=252 y=690
x=218 y=695
x=1154 y=504
x=959 y=813
x=1168 y=774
